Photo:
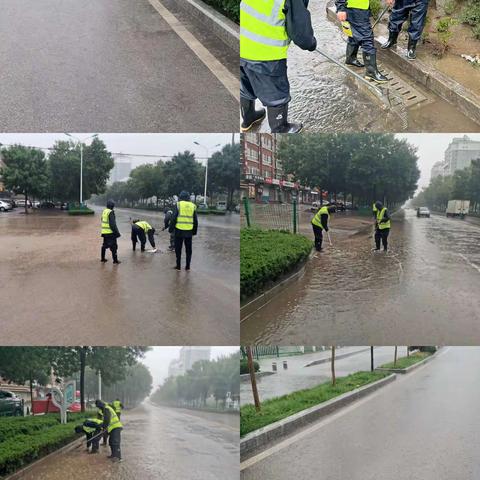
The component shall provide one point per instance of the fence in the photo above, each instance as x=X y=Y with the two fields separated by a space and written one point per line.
x=270 y=216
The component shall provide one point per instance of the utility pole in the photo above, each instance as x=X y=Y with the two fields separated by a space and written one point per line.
x=99 y=384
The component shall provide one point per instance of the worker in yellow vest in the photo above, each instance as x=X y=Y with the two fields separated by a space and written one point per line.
x=266 y=29
x=114 y=427
x=117 y=405
x=141 y=230
x=320 y=223
x=357 y=13
x=184 y=223
x=109 y=232
x=92 y=428
x=382 y=226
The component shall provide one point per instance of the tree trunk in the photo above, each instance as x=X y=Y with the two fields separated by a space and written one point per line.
x=334 y=379
x=31 y=394
x=372 y=365
x=83 y=361
x=395 y=357
x=253 y=380
x=26 y=205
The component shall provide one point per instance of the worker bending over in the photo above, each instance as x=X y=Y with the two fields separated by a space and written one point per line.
x=92 y=427
x=112 y=424
x=320 y=223
x=109 y=232
x=382 y=226
x=141 y=230
x=118 y=407
x=266 y=29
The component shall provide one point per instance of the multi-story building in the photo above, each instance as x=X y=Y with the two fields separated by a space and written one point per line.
x=458 y=156
x=188 y=356
x=438 y=170
x=120 y=171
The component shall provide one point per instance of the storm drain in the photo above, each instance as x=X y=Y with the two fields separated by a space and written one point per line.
x=410 y=96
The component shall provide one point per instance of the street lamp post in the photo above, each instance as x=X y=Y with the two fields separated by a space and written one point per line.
x=80 y=143
x=207 y=151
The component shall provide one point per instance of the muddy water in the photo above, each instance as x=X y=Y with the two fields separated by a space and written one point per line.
x=325 y=98
x=430 y=276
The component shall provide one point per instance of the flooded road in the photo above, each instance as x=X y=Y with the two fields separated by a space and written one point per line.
x=157 y=443
x=423 y=292
x=51 y=277
x=325 y=98
x=299 y=376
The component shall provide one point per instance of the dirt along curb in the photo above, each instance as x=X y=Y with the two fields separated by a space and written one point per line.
x=255 y=442
x=427 y=76
x=256 y=303
x=66 y=448
x=410 y=368
x=218 y=24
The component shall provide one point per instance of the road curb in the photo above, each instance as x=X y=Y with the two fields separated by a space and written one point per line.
x=337 y=357
x=410 y=368
x=264 y=298
x=256 y=441
x=245 y=377
x=218 y=24
x=428 y=77
x=64 y=449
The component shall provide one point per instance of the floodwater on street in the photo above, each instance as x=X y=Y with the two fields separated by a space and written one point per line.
x=157 y=443
x=325 y=98
x=422 y=425
x=51 y=277
x=299 y=376
x=423 y=292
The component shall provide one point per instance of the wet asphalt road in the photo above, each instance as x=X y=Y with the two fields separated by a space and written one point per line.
x=423 y=425
x=298 y=376
x=106 y=66
x=424 y=292
x=51 y=278
x=157 y=444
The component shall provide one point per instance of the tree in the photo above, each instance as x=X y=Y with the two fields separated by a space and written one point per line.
x=25 y=171
x=253 y=380
x=332 y=366
x=224 y=171
x=183 y=172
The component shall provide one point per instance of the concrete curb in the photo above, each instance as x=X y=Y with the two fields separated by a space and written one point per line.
x=245 y=377
x=258 y=440
x=429 y=77
x=410 y=368
x=267 y=296
x=337 y=357
x=64 y=449
x=218 y=24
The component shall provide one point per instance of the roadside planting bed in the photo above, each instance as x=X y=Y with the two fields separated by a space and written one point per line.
x=26 y=439
x=266 y=255
x=405 y=362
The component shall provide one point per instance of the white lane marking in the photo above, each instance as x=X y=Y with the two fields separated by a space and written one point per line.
x=229 y=81
x=476 y=267
x=331 y=418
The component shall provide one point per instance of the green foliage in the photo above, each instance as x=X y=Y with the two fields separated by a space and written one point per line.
x=80 y=211
x=215 y=377
x=450 y=7
x=229 y=8
x=266 y=255
x=405 y=362
x=244 y=366
x=476 y=31
x=444 y=24
x=375 y=8
x=278 y=408
x=471 y=13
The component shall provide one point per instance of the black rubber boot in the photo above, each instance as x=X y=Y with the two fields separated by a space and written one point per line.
x=277 y=119
x=351 y=57
x=102 y=257
x=250 y=116
x=411 y=49
x=392 y=40
x=372 y=72
x=115 y=258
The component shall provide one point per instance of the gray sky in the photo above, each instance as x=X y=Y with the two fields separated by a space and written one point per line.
x=132 y=143
x=431 y=149
x=158 y=359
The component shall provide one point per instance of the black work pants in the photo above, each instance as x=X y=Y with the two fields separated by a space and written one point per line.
x=318 y=232
x=114 y=442
x=382 y=236
x=179 y=241
x=110 y=242
x=93 y=440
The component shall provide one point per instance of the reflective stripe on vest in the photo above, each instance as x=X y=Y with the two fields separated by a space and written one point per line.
x=144 y=226
x=105 y=223
x=317 y=220
x=380 y=214
x=117 y=406
x=114 y=420
x=360 y=4
x=91 y=429
x=263 y=36
x=185 y=215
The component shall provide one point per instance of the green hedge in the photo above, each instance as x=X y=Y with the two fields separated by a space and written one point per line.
x=266 y=255
x=229 y=8
x=81 y=211
x=244 y=366
x=26 y=439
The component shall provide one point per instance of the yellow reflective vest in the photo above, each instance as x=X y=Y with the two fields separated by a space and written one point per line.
x=317 y=219
x=186 y=211
x=105 y=223
x=114 y=420
x=91 y=429
x=263 y=36
x=144 y=226
x=117 y=406
x=360 y=4
x=380 y=214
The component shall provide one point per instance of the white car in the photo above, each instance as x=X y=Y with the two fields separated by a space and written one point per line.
x=222 y=206
x=5 y=206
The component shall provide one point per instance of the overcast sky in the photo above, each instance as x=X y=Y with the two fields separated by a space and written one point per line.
x=431 y=149
x=158 y=359
x=132 y=143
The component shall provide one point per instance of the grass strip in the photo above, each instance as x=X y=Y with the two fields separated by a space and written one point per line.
x=405 y=362
x=266 y=255
x=281 y=407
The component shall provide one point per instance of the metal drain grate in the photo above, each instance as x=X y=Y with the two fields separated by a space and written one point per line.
x=411 y=96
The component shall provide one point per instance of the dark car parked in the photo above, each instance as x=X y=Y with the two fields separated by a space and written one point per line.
x=10 y=404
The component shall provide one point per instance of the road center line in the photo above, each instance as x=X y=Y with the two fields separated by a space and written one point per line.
x=228 y=80
x=322 y=423
x=473 y=265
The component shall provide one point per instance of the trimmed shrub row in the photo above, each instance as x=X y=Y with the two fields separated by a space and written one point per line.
x=244 y=366
x=266 y=255
x=229 y=8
